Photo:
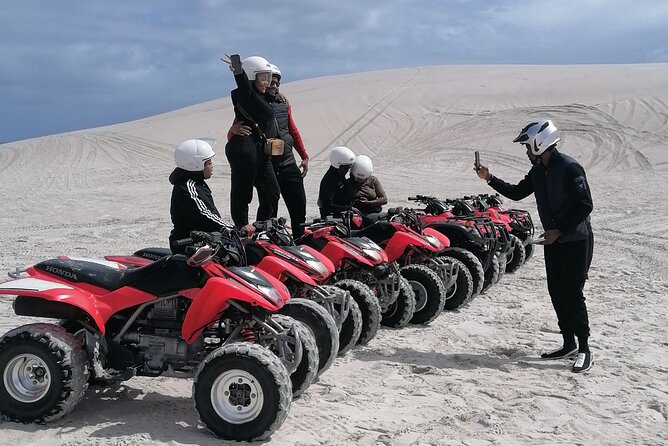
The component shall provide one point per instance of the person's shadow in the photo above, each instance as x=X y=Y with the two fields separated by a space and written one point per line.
x=121 y=411
x=501 y=359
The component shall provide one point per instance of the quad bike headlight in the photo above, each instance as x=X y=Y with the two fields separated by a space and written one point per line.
x=373 y=253
x=433 y=241
x=317 y=265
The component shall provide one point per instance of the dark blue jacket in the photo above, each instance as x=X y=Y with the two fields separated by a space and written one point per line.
x=562 y=195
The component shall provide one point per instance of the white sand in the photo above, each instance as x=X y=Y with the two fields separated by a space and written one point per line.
x=472 y=377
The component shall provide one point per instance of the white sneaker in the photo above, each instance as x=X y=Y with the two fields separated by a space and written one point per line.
x=583 y=362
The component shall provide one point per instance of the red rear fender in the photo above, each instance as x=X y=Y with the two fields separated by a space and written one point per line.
x=50 y=298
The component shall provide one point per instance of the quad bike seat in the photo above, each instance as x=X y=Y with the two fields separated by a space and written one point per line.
x=107 y=277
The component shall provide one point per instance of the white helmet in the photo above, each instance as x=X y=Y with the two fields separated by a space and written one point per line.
x=190 y=155
x=341 y=156
x=362 y=168
x=275 y=71
x=255 y=65
x=539 y=135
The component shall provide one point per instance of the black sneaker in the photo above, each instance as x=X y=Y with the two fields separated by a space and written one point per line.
x=563 y=352
x=583 y=362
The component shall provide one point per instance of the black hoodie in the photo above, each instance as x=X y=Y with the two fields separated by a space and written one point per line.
x=192 y=207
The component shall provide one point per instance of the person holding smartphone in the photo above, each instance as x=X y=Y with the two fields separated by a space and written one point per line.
x=564 y=203
x=250 y=165
x=290 y=176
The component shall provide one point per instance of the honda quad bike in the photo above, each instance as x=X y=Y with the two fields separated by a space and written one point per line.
x=416 y=255
x=345 y=256
x=473 y=241
x=298 y=274
x=359 y=260
x=519 y=224
x=407 y=242
x=183 y=315
x=505 y=244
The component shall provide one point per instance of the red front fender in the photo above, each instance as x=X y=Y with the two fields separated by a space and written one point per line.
x=214 y=298
x=281 y=269
x=445 y=241
x=400 y=243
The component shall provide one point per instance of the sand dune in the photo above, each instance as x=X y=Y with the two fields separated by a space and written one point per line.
x=473 y=376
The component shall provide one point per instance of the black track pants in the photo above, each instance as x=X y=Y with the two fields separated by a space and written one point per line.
x=251 y=167
x=567 y=266
x=292 y=189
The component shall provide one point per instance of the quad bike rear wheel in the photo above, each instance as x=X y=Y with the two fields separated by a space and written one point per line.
x=461 y=291
x=321 y=323
x=517 y=256
x=307 y=369
x=44 y=373
x=472 y=263
x=429 y=292
x=368 y=305
x=351 y=329
x=492 y=274
x=242 y=392
x=400 y=312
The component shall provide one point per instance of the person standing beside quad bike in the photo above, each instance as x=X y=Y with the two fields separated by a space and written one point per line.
x=289 y=175
x=249 y=156
x=564 y=204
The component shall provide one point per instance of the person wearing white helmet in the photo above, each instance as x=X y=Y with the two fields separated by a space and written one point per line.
x=249 y=164
x=192 y=207
x=564 y=203
x=333 y=197
x=290 y=176
x=365 y=190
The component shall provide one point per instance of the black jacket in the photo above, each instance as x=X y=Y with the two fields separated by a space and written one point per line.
x=333 y=196
x=250 y=107
x=192 y=207
x=562 y=196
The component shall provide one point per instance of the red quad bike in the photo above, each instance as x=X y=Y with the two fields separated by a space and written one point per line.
x=457 y=281
x=346 y=256
x=464 y=208
x=183 y=315
x=417 y=257
x=360 y=260
x=473 y=242
x=519 y=224
x=322 y=309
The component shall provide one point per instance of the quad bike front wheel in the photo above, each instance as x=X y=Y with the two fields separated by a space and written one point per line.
x=242 y=392
x=44 y=373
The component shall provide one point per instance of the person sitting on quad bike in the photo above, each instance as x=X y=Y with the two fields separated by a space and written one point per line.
x=366 y=192
x=333 y=197
x=564 y=203
x=192 y=207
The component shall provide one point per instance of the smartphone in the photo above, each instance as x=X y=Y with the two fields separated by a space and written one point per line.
x=236 y=63
x=477 y=160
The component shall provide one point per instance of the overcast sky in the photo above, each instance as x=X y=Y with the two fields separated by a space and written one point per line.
x=69 y=65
